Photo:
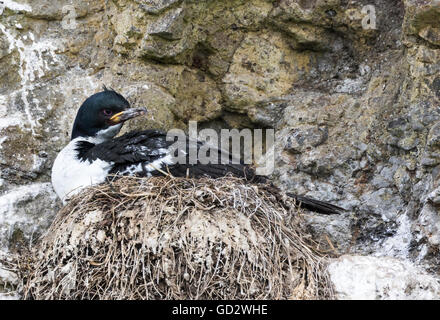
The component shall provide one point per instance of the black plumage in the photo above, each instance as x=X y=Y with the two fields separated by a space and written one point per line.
x=141 y=147
x=144 y=147
x=147 y=153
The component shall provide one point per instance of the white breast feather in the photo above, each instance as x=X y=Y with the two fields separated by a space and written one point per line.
x=70 y=175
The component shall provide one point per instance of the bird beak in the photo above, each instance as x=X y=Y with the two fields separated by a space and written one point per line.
x=127 y=114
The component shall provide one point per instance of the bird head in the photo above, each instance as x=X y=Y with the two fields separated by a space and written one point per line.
x=102 y=115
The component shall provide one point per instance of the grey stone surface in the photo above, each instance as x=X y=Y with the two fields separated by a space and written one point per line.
x=373 y=278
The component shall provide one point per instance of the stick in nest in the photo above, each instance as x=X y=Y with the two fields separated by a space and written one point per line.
x=177 y=238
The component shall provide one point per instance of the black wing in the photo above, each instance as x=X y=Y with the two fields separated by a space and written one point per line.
x=131 y=148
x=144 y=153
x=147 y=153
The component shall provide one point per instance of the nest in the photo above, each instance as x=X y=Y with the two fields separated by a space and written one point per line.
x=175 y=238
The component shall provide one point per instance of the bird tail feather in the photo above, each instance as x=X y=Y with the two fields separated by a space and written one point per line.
x=316 y=205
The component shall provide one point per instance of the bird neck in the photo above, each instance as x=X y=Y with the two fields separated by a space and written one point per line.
x=99 y=137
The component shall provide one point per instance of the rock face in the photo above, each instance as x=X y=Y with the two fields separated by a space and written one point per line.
x=372 y=278
x=352 y=89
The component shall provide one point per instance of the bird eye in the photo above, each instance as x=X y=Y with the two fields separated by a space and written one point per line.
x=107 y=112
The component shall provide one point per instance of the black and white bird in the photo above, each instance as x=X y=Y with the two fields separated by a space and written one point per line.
x=94 y=153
